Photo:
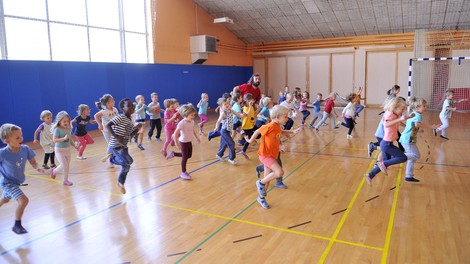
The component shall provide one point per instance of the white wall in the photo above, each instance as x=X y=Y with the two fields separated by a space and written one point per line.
x=319 y=75
x=276 y=75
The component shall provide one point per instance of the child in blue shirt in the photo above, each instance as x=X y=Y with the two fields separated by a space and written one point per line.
x=13 y=159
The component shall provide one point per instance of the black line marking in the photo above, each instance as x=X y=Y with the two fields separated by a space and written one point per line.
x=377 y=196
x=176 y=254
x=429 y=152
x=421 y=167
x=248 y=238
x=24 y=184
x=393 y=188
x=340 y=211
x=308 y=222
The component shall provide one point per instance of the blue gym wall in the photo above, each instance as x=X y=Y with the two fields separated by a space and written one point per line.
x=28 y=87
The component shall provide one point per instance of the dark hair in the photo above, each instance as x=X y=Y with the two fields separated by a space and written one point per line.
x=226 y=95
x=122 y=102
x=101 y=104
x=250 y=81
x=236 y=96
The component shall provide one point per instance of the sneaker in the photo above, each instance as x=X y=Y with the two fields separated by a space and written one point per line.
x=53 y=174
x=261 y=188
x=316 y=129
x=170 y=155
x=368 y=179
x=338 y=123
x=411 y=179
x=163 y=153
x=434 y=131
x=324 y=124
x=279 y=184
x=370 y=149
x=444 y=137
x=45 y=166
x=68 y=183
x=244 y=155
x=122 y=189
x=262 y=202
x=349 y=136
x=110 y=164
x=140 y=147
x=158 y=139
x=258 y=172
x=233 y=162
x=81 y=157
x=149 y=138
x=219 y=157
x=185 y=176
x=53 y=166
x=105 y=158
x=19 y=230
x=310 y=126
x=209 y=137
x=382 y=167
x=201 y=133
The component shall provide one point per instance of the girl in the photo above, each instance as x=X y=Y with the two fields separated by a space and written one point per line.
x=140 y=109
x=45 y=138
x=303 y=106
x=237 y=108
x=288 y=103
x=106 y=112
x=391 y=154
x=446 y=113
x=171 y=118
x=349 y=115
x=62 y=137
x=248 y=122
x=410 y=135
x=13 y=159
x=329 y=112
x=155 y=118
x=81 y=133
x=203 y=105
x=183 y=137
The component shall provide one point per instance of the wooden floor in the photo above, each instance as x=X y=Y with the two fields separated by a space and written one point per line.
x=327 y=215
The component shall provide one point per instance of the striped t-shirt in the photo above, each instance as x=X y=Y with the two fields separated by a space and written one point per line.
x=122 y=126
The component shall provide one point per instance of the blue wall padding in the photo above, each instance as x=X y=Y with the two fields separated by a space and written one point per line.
x=28 y=87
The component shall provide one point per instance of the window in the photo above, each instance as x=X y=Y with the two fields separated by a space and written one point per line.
x=76 y=30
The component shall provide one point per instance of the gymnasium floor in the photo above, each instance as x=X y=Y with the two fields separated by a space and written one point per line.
x=327 y=215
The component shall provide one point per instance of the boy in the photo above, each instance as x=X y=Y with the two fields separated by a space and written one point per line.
x=13 y=159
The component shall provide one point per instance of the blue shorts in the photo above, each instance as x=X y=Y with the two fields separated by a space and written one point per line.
x=11 y=191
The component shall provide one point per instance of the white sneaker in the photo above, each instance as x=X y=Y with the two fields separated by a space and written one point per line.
x=219 y=157
x=81 y=157
x=233 y=162
x=338 y=123
x=349 y=136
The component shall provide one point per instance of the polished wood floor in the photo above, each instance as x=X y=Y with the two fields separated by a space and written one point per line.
x=327 y=215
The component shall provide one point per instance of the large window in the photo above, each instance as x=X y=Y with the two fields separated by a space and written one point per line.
x=76 y=30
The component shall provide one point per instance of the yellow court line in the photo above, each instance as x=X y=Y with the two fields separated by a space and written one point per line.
x=343 y=219
x=388 y=236
x=75 y=185
x=267 y=226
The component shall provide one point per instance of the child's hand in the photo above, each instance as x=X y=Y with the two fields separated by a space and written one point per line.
x=66 y=137
x=198 y=140
x=435 y=126
x=175 y=115
x=215 y=129
x=100 y=127
x=36 y=141
x=76 y=145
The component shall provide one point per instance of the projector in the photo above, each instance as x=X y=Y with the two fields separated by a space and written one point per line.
x=223 y=20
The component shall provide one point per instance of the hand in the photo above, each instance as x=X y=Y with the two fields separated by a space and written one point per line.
x=198 y=140
x=100 y=127
x=435 y=126
x=76 y=145
x=66 y=137
x=36 y=141
x=215 y=129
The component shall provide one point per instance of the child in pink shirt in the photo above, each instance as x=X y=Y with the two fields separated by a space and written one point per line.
x=171 y=117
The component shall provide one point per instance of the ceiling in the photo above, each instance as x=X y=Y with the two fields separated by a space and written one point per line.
x=257 y=21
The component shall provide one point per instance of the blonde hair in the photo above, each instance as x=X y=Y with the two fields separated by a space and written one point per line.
x=6 y=130
x=61 y=115
x=277 y=111
x=394 y=103
x=138 y=97
x=417 y=102
x=266 y=100
x=221 y=100
x=187 y=109
x=82 y=108
x=44 y=114
x=202 y=95
x=168 y=102
x=152 y=94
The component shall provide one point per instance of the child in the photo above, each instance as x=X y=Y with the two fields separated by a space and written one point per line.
x=263 y=116
x=13 y=159
x=357 y=102
x=171 y=118
x=329 y=112
x=248 y=122
x=303 y=106
x=446 y=113
x=155 y=117
x=349 y=115
x=410 y=135
x=106 y=112
x=237 y=108
x=226 y=120
x=391 y=154
x=281 y=97
x=183 y=137
x=203 y=105
x=316 y=110
x=269 y=150
x=288 y=103
x=62 y=137
x=214 y=134
x=45 y=138
x=122 y=130
x=81 y=133
x=140 y=109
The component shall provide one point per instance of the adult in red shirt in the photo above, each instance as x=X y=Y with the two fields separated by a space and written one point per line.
x=251 y=87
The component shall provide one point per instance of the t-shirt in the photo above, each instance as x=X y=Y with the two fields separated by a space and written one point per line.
x=203 y=108
x=187 y=130
x=264 y=112
x=140 y=115
x=122 y=126
x=348 y=110
x=289 y=106
x=227 y=122
x=270 y=140
x=107 y=114
x=380 y=130
x=236 y=108
x=329 y=105
x=155 y=113
x=391 y=132
x=167 y=115
x=247 y=88
x=45 y=137
x=410 y=133
x=303 y=104
x=446 y=112
x=59 y=133
x=81 y=125
x=316 y=106
x=12 y=165
x=248 y=120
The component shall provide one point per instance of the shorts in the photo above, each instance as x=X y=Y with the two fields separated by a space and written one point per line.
x=11 y=191
x=267 y=161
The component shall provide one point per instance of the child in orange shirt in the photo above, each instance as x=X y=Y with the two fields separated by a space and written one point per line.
x=269 y=149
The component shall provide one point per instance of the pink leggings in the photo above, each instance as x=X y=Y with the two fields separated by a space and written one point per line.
x=204 y=119
x=169 y=133
x=84 y=140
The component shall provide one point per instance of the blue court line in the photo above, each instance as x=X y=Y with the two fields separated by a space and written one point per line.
x=99 y=212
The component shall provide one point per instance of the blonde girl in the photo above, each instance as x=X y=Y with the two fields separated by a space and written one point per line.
x=202 y=112
x=303 y=106
x=391 y=154
x=62 y=137
x=45 y=138
x=349 y=115
x=183 y=137
x=446 y=113
x=171 y=118
x=81 y=132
